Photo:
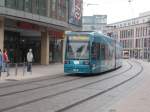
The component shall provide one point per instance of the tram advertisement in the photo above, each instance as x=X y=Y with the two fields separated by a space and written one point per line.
x=75 y=12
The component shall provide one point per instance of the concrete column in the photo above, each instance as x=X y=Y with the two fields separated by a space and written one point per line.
x=1 y=33
x=44 y=48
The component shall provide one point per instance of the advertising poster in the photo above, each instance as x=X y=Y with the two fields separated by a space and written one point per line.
x=75 y=12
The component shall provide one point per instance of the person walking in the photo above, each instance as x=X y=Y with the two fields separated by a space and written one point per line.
x=29 y=60
x=5 y=61
x=1 y=61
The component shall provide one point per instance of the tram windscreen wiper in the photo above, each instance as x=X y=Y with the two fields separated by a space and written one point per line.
x=78 y=50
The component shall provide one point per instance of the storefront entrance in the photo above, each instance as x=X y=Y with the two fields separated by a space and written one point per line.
x=18 y=45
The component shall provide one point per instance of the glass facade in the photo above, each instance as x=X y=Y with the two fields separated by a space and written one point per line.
x=28 y=5
x=20 y=4
x=10 y=4
x=57 y=9
x=2 y=3
x=42 y=7
x=53 y=8
x=62 y=9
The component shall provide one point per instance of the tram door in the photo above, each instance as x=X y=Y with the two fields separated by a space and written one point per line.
x=96 y=56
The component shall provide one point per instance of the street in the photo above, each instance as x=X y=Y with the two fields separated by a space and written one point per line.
x=72 y=93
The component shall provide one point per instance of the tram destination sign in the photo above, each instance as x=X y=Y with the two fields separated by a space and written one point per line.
x=78 y=38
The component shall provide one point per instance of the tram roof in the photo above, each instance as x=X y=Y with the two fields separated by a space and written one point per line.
x=86 y=33
x=90 y=33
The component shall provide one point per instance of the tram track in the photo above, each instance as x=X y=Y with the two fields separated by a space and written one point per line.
x=63 y=92
x=6 y=85
x=62 y=82
x=102 y=92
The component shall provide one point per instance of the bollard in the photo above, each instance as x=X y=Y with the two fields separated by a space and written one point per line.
x=16 y=69
x=0 y=71
x=7 y=66
x=24 y=65
x=31 y=68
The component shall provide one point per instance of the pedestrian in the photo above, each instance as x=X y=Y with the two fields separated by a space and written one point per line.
x=5 y=60
x=1 y=61
x=29 y=60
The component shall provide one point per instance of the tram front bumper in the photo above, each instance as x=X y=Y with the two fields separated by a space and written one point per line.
x=77 y=69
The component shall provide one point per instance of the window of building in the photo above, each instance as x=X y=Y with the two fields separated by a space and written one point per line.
x=20 y=4
x=35 y=7
x=2 y=3
x=136 y=43
x=28 y=5
x=64 y=8
x=120 y=34
x=136 y=32
x=60 y=8
x=42 y=7
x=145 y=42
x=53 y=8
x=125 y=24
x=10 y=3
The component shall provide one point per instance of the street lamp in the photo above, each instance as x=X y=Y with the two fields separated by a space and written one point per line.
x=89 y=4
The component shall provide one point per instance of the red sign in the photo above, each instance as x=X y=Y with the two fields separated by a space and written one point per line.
x=56 y=34
x=28 y=26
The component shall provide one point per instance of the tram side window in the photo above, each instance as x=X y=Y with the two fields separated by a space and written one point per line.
x=103 y=52
x=95 y=51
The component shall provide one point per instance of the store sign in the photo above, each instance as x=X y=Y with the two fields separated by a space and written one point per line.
x=75 y=12
x=56 y=34
x=28 y=26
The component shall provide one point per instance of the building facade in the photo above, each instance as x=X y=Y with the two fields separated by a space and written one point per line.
x=39 y=25
x=95 y=23
x=134 y=35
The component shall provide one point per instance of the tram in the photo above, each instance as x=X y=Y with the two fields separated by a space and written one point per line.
x=91 y=52
x=126 y=54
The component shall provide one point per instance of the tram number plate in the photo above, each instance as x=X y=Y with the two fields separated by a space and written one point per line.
x=75 y=70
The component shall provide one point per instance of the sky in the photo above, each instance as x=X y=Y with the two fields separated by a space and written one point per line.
x=116 y=10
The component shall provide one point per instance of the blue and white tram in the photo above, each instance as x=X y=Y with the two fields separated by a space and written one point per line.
x=91 y=52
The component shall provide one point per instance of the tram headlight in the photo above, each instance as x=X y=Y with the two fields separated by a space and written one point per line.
x=86 y=62
x=93 y=66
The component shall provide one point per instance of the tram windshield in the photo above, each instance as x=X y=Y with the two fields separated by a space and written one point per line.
x=77 y=48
